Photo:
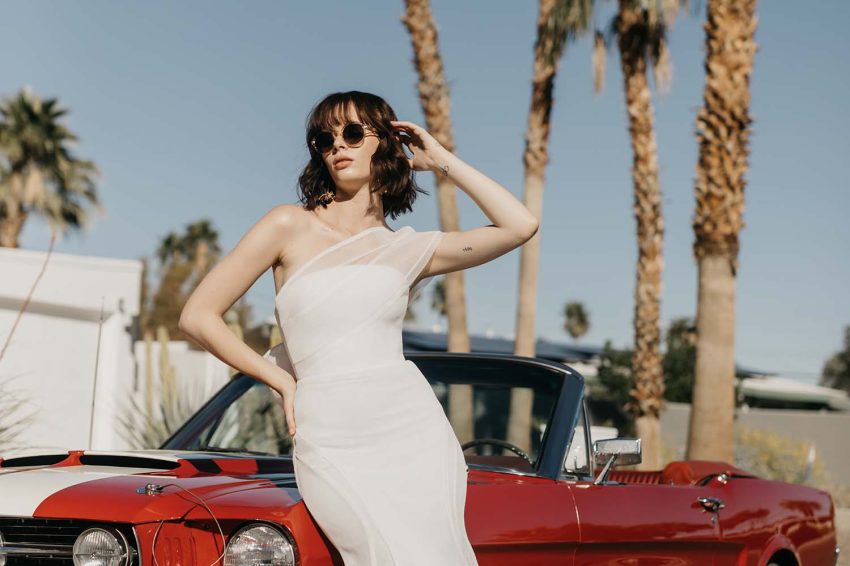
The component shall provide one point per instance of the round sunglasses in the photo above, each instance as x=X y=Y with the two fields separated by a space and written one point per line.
x=353 y=133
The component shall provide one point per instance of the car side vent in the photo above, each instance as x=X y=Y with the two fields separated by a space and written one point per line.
x=127 y=462
x=40 y=460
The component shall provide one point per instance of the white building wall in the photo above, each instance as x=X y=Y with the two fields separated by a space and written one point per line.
x=52 y=358
x=53 y=354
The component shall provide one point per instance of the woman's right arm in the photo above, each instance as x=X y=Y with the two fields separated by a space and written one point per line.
x=202 y=316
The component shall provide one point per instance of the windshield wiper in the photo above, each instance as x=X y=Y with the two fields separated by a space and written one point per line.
x=224 y=450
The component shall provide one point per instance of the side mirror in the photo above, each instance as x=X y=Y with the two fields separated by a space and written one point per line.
x=619 y=451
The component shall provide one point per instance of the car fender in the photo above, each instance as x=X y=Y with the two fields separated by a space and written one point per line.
x=774 y=544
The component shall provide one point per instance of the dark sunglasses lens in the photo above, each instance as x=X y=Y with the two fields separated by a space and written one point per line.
x=323 y=141
x=353 y=133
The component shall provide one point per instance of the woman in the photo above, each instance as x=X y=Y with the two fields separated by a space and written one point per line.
x=376 y=461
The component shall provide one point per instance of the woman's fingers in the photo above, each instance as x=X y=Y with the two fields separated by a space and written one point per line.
x=408 y=126
x=404 y=124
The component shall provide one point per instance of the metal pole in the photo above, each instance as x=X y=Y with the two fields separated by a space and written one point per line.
x=94 y=381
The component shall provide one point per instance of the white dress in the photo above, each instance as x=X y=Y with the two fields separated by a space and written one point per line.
x=376 y=461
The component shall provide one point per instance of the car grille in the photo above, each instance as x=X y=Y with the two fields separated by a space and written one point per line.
x=50 y=535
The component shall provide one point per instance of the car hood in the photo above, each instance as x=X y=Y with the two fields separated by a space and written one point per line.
x=111 y=486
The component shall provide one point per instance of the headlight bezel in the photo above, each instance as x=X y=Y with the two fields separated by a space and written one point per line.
x=126 y=549
x=245 y=527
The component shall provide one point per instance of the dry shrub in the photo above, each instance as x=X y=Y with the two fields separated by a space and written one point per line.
x=148 y=422
x=776 y=457
x=14 y=416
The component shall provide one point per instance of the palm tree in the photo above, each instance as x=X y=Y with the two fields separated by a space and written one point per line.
x=434 y=97
x=170 y=297
x=38 y=173
x=836 y=370
x=558 y=22
x=170 y=248
x=438 y=297
x=679 y=360
x=181 y=256
x=198 y=245
x=202 y=247
x=640 y=28
x=576 y=320
x=410 y=312
x=723 y=131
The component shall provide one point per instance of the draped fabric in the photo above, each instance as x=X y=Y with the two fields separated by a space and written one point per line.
x=376 y=460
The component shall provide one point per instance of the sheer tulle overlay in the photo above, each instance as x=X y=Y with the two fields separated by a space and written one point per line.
x=376 y=460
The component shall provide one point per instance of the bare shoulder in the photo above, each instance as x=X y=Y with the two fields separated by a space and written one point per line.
x=284 y=216
x=285 y=222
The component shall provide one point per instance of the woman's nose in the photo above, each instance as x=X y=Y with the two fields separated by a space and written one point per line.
x=339 y=141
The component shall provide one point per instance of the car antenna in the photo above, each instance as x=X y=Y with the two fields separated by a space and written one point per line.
x=94 y=381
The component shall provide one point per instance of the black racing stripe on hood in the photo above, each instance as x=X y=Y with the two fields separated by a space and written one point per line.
x=206 y=465
x=127 y=462
x=40 y=460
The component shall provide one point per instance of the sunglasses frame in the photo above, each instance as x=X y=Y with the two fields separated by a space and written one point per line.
x=366 y=133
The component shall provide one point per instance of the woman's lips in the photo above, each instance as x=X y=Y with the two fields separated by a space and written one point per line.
x=342 y=163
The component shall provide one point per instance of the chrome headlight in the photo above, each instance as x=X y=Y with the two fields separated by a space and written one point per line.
x=259 y=544
x=100 y=547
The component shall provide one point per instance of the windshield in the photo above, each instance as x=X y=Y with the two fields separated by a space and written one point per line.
x=476 y=395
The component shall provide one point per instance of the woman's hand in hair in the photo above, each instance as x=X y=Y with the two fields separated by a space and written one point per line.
x=428 y=153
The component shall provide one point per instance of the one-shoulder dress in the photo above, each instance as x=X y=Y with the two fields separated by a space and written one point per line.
x=376 y=461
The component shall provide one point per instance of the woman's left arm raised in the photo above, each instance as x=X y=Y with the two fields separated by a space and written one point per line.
x=513 y=224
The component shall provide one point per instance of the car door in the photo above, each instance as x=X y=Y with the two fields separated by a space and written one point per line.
x=645 y=524
x=522 y=520
x=638 y=523
x=514 y=515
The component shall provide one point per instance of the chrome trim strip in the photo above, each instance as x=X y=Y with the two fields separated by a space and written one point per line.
x=501 y=470
x=25 y=550
x=136 y=552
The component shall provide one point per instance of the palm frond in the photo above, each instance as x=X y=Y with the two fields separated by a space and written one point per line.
x=662 y=66
x=647 y=34
x=600 y=51
x=39 y=174
x=568 y=20
x=577 y=319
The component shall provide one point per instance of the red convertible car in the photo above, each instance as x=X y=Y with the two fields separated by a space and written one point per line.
x=222 y=488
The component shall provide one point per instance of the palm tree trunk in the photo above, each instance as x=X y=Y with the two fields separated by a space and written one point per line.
x=434 y=97
x=534 y=159
x=647 y=393
x=723 y=126
x=13 y=214
x=202 y=260
x=713 y=410
x=11 y=227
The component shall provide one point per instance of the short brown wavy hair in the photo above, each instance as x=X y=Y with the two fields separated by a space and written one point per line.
x=392 y=175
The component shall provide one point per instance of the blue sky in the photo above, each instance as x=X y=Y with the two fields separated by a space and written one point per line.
x=196 y=109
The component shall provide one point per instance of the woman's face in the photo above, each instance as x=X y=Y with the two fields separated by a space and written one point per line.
x=351 y=167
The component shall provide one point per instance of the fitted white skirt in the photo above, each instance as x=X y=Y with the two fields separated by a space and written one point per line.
x=380 y=468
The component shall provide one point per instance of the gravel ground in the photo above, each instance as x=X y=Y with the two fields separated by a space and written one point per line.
x=842 y=523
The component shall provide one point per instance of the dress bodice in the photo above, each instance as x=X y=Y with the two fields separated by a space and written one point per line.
x=344 y=308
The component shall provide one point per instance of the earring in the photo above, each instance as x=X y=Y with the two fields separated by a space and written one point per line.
x=327 y=197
